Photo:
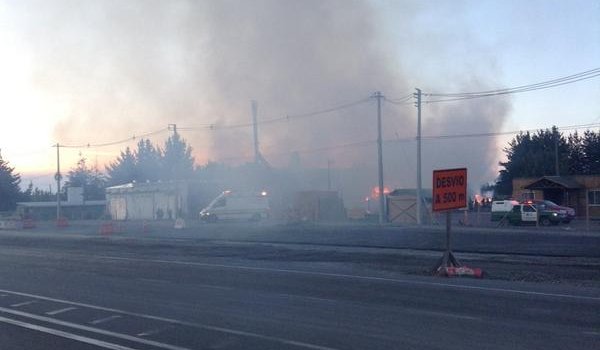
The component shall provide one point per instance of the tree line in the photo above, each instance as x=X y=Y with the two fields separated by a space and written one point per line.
x=536 y=155
x=148 y=162
x=527 y=155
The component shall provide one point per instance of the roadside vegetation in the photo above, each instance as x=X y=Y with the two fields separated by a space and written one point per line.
x=534 y=155
x=528 y=155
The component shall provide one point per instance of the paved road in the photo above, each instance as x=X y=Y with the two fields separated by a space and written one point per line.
x=73 y=291
x=564 y=241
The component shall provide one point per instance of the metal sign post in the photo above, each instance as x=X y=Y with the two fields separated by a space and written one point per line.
x=449 y=192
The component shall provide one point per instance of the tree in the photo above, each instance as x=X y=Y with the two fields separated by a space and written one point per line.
x=148 y=161
x=36 y=194
x=151 y=163
x=10 y=192
x=576 y=154
x=91 y=179
x=591 y=152
x=534 y=155
x=123 y=170
x=177 y=161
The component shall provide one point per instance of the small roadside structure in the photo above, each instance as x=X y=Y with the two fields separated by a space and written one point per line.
x=402 y=206
x=147 y=201
x=74 y=208
x=580 y=192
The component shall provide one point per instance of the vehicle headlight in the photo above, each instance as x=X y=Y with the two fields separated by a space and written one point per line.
x=554 y=214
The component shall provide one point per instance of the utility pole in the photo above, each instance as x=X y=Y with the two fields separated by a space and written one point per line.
x=173 y=127
x=556 y=170
x=58 y=177
x=329 y=174
x=419 y=182
x=379 y=96
x=257 y=156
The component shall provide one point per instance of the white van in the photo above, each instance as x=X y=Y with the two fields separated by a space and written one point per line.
x=500 y=209
x=237 y=206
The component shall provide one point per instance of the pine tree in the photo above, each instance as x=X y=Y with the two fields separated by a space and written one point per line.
x=10 y=193
x=177 y=161
x=534 y=155
x=123 y=170
x=91 y=179
x=148 y=161
x=591 y=152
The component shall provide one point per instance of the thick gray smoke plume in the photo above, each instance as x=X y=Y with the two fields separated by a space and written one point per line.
x=121 y=68
x=295 y=57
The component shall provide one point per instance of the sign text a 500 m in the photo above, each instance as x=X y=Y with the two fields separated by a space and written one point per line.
x=449 y=189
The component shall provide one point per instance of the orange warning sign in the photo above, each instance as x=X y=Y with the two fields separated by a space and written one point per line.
x=449 y=189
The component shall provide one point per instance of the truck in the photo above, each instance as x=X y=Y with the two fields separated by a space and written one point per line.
x=500 y=209
x=231 y=205
x=527 y=213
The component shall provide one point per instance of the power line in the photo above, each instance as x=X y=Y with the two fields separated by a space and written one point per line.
x=401 y=100
x=403 y=140
x=286 y=118
x=491 y=134
x=306 y=150
x=112 y=143
x=593 y=73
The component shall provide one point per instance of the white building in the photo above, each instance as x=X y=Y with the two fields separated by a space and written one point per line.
x=147 y=201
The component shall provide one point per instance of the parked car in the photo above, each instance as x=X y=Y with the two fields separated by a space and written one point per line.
x=569 y=213
x=528 y=213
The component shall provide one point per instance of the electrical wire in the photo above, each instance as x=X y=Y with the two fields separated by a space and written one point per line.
x=278 y=119
x=491 y=134
x=112 y=143
x=593 y=73
x=304 y=151
x=400 y=100
x=405 y=140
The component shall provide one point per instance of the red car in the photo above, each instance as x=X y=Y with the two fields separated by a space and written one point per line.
x=550 y=205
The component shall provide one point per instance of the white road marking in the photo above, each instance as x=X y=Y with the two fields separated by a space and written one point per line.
x=444 y=314
x=158 y=318
x=60 y=311
x=25 y=303
x=327 y=300
x=152 y=280
x=591 y=333
x=105 y=319
x=154 y=331
x=368 y=278
x=213 y=286
x=92 y=329
x=63 y=334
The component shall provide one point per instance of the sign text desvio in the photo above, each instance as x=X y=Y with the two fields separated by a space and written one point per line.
x=449 y=189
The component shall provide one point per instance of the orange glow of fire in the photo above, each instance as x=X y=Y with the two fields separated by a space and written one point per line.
x=375 y=191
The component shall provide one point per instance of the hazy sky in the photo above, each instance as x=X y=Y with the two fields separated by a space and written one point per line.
x=79 y=72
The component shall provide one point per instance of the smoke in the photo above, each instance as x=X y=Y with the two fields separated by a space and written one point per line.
x=119 y=68
x=294 y=57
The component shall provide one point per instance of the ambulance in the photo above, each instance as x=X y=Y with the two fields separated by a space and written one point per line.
x=231 y=205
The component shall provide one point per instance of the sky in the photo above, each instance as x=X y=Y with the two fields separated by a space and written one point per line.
x=92 y=72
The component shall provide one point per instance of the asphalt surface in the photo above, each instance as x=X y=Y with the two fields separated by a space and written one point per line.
x=289 y=287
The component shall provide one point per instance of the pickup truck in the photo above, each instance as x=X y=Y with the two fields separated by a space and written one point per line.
x=528 y=214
